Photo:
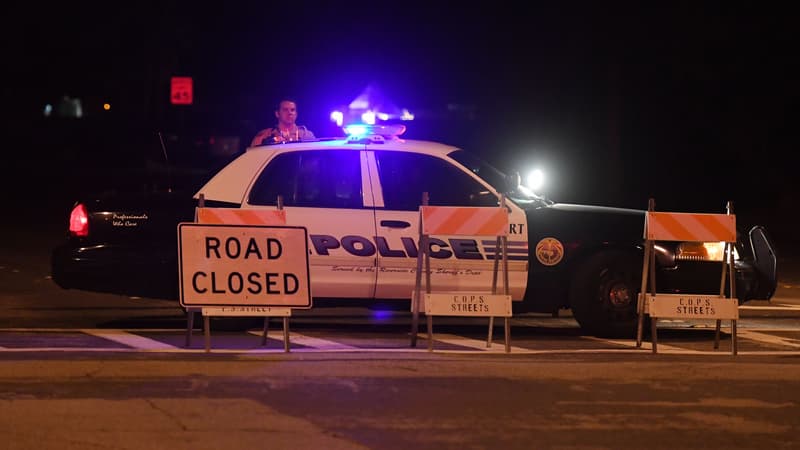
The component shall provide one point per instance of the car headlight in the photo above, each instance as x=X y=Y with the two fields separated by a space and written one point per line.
x=703 y=251
x=535 y=180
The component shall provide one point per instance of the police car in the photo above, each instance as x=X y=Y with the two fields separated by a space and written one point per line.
x=359 y=199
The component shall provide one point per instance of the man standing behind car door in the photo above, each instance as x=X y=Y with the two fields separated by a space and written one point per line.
x=286 y=130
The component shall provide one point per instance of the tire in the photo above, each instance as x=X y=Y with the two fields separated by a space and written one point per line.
x=603 y=294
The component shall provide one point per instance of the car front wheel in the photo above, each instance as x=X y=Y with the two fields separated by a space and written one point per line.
x=603 y=294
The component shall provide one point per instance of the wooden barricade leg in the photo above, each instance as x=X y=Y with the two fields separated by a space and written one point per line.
x=207 y=331
x=494 y=289
x=652 y=270
x=508 y=336
x=732 y=278
x=654 y=338
x=286 y=334
x=189 y=325
x=415 y=300
x=489 y=335
x=718 y=325
x=423 y=248
x=265 y=332
x=506 y=286
x=414 y=318
x=430 y=332
x=428 y=286
x=640 y=307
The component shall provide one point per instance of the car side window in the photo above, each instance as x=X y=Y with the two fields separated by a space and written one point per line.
x=314 y=179
x=405 y=176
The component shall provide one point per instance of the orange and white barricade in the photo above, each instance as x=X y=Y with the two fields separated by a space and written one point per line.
x=230 y=216
x=236 y=216
x=688 y=227
x=475 y=221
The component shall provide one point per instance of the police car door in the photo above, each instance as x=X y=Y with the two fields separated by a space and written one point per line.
x=324 y=191
x=457 y=262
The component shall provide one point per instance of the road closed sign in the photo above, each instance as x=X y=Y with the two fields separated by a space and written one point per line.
x=243 y=265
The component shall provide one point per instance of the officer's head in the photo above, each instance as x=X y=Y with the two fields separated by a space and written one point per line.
x=286 y=111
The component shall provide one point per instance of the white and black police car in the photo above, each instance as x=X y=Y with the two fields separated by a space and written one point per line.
x=359 y=199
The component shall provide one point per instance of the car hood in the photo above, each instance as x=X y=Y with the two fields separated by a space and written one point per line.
x=596 y=209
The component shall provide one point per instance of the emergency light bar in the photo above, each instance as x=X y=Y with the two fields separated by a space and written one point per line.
x=359 y=131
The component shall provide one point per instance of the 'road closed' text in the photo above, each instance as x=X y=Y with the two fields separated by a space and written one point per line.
x=243 y=265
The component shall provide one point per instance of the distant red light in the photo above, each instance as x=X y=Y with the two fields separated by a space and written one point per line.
x=79 y=221
x=181 y=91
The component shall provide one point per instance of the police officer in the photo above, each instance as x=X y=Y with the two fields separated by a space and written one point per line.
x=286 y=130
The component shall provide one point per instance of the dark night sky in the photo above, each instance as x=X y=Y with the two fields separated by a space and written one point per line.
x=688 y=102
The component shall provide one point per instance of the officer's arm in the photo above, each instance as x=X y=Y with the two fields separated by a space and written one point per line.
x=260 y=136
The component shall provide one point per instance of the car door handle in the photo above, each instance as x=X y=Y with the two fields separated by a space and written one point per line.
x=395 y=224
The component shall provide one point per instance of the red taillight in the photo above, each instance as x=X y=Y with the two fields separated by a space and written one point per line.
x=79 y=221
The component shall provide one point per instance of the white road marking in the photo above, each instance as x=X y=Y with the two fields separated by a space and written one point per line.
x=421 y=350
x=768 y=338
x=84 y=330
x=138 y=343
x=662 y=348
x=131 y=340
x=549 y=322
x=309 y=341
x=497 y=346
x=773 y=307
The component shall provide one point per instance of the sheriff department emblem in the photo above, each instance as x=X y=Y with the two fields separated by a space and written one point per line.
x=549 y=251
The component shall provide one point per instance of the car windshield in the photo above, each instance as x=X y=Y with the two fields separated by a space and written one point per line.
x=481 y=168
x=493 y=176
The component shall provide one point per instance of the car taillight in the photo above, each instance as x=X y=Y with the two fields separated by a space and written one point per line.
x=79 y=221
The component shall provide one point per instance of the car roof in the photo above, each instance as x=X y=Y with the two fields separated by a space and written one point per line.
x=232 y=182
x=408 y=145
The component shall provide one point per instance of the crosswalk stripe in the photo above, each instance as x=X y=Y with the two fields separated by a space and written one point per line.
x=309 y=341
x=135 y=341
x=129 y=339
x=549 y=322
x=645 y=345
x=771 y=307
x=768 y=338
x=471 y=343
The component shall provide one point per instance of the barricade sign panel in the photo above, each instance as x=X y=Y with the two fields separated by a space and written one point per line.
x=467 y=304
x=246 y=311
x=232 y=216
x=670 y=226
x=243 y=265
x=464 y=221
x=686 y=306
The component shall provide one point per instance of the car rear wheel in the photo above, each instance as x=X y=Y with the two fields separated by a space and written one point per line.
x=603 y=294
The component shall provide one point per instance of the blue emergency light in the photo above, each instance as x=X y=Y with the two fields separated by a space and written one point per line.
x=358 y=131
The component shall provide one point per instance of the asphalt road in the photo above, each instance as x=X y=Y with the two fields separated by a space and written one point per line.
x=583 y=395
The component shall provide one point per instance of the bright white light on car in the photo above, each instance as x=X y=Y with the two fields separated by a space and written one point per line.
x=368 y=117
x=407 y=115
x=338 y=117
x=535 y=180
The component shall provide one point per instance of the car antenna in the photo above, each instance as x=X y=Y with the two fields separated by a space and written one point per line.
x=166 y=158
